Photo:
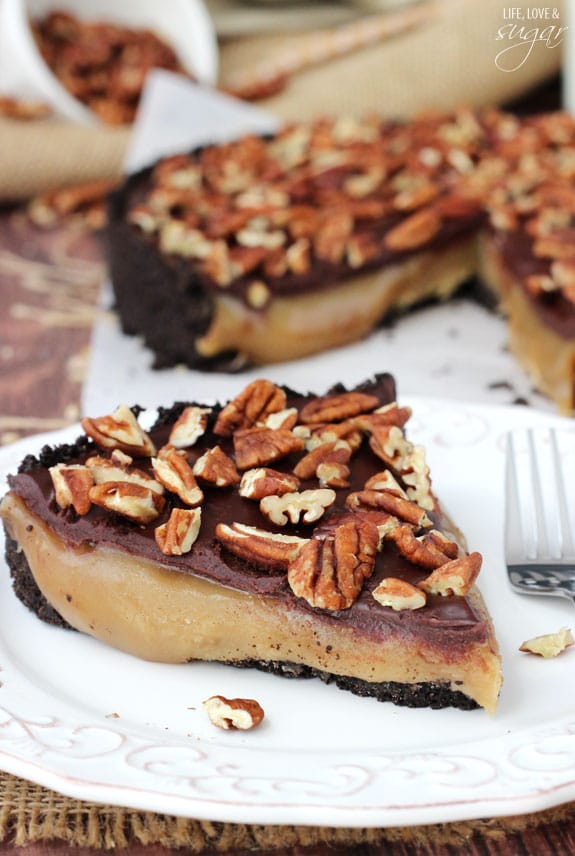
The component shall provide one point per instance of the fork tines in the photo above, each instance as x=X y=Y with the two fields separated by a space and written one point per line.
x=539 y=515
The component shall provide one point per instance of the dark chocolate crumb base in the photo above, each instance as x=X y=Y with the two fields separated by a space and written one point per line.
x=433 y=695
x=26 y=589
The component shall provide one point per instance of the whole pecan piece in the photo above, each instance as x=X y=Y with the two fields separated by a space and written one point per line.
x=266 y=549
x=255 y=447
x=173 y=471
x=216 y=468
x=72 y=483
x=390 y=502
x=263 y=481
x=329 y=572
x=336 y=408
x=414 y=231
x=251 y=406
x=336 y=451
x=119 y=431
x=178 y=535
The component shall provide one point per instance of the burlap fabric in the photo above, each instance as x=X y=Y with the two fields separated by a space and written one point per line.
x=449 y=61
x=32 y=815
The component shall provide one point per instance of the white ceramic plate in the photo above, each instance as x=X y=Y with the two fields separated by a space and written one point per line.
x=97 y=724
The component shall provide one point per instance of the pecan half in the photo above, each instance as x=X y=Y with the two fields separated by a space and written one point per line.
x=329 y=572
x=414 y=231
x=178 y=535
x=266 y=549
x=421 y=551
x=399 y=594
x=333 y=474
x=118 y=469
x=334 y=451
x=336 y=408
x=307 y=506
x=250 y=407
x=262 y=481
x=389 y=414
x=385 y=480
x=216 y=468
x=189 y=427
x=232 y=713
x=119 y=431
x=455 y=577
x=390 y=444
x=255 y=447
x=137 y=503
x=174 y=472
x=72 y=483
x=282 y=419
x=388 y=501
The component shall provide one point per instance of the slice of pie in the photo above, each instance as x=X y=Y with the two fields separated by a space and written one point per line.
x=267 y=249
x=295 y=533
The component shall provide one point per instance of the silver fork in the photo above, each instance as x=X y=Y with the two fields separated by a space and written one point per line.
x=539 y=548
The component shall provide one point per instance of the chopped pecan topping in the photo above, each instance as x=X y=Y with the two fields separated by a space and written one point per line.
x=421 y=551
x=442 y=542
x=174 y=472
x=255 y=447
x=216 y=468
x=282 y=419
x=178 y=535
x=251 y=407
x=104 y=65
x=329 y=572
x=232 y=713
x=20 y=108
x=336 y=408
x=415 y=474
x=549 y=644
x=189 y=427
x=119 y=431
x=389 y=414
x=335 y=451
x=262 y=481
x=399 y=594
x=72 y=483
x=266 y=549
x=137 y=503
x=454 y=577
x=385 y=481
x=390 y=444
x=118 y=469
x=414 y=231
x=389 y=502
x=307 y=506
x=333 y=474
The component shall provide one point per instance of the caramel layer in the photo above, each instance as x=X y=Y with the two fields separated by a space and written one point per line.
x=543 y=348
x=157 y=614
x=309 y=322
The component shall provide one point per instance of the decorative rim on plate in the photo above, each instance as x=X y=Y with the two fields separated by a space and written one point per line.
x=520 y=760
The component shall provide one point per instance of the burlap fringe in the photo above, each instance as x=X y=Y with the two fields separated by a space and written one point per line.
x=31 y=814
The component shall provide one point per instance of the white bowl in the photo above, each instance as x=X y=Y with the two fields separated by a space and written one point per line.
x=184 y=24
